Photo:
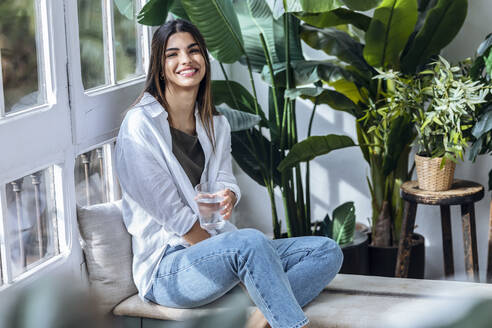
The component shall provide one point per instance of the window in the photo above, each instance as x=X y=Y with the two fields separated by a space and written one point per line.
x=95 y=181
x=69 y=71
x=30 y=222
x=22 y=73
x=110 y=43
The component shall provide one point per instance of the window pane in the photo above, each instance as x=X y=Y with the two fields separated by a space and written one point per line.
x=91 y=37
x=94 y=181
x=127 y=45
x=31 y=221
x=23 y=86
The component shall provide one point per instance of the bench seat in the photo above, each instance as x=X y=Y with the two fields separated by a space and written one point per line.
x=348 y=301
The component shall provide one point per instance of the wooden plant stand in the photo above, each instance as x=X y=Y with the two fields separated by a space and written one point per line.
x=463 y=193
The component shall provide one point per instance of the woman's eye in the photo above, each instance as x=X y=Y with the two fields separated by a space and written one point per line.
x=170 y=55
x=194 y=50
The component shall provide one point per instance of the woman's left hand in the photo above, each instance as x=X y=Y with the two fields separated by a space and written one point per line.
x=228 y=203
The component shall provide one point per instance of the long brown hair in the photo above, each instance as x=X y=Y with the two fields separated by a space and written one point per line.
x=156 y=83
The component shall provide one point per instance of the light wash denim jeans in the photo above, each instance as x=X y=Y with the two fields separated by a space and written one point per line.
x=281 y=275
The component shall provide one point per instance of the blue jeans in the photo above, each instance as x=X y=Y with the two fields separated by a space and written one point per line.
x=281 y=275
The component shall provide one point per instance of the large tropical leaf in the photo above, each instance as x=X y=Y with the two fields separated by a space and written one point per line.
x=350 y=90
x=336 y=43
x=154 y=12
x=239 y=99
x=441 y=25
x=391 y=26
x=218 y=24
x=309 y=71
x=295 y=48
x=400 y=136
x=249 y=158
x=307 y=6
x=484 y=123
x=255 y=17
x=312 y=147
x=238 y=120
x=332 y=98
x=344 y=223
x=340 y=16
x=178 y=10
x=361 y=5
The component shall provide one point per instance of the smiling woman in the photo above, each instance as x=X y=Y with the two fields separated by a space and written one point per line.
x=171 y=140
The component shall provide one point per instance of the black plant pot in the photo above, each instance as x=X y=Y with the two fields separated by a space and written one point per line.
x=356 y=255
x=382 y=260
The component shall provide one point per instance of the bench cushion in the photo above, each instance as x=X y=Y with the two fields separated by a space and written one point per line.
x=108 y=253
x=348 y=301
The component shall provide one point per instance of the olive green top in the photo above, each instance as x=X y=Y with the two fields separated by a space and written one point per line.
x=189 y=154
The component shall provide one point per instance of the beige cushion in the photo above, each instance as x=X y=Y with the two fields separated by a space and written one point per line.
x=108 y=252
x=135 y=307
x=348 y=301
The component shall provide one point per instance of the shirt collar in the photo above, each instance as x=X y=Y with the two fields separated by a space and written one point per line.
x=154 y=108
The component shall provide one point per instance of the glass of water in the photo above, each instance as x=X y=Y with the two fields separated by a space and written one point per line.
x=208 y=198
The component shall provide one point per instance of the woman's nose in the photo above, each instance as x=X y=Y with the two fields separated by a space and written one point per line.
x=185 y=58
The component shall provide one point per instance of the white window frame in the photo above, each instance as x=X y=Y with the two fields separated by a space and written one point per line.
x=72 y=121
x=97 y=113
x=40 y=137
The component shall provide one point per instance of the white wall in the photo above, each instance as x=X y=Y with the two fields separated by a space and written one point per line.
x=341 y=176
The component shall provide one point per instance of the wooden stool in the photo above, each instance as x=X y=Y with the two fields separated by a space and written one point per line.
x=464 y=193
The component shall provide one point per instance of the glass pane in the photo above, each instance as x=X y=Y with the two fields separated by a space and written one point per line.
x=93 y=181
x=31 y=221
x=91 y=37
x=22 y=83
x=127 y=44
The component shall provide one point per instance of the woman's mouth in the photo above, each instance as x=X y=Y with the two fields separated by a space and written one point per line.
x=188 y=72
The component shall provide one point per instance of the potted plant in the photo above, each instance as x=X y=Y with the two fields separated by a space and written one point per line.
x=341 y=227
x=406 y=41
x=481 y=70
x=442 y=102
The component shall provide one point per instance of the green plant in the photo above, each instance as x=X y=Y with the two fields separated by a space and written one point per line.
x=442 y=103
x=342 y=227
x=481 y=70
x=401 y=35
x=268 y=42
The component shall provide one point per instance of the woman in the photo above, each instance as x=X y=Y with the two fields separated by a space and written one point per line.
x=171 y=140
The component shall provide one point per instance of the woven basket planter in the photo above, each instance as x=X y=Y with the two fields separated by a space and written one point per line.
x=430 y=175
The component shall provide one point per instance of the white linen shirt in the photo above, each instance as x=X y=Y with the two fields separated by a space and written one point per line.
x=157 y=195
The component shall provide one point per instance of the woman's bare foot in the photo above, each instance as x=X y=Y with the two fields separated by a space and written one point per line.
x=257 y=320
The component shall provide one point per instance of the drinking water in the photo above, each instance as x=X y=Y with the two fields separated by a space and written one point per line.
x=209 y=207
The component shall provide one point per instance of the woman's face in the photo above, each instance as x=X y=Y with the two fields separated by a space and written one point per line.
x=184 y=64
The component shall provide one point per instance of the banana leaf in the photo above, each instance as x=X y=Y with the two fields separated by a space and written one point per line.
x=238 y=120
x=219 y=25
x=441 y=25
x=339 y=16
x=255 y=17
x=484 y=123
x=308 y=6
x=309 y=71
x=332 y=98
x=240 y=98
x=312 y=147
x=250 y=159
x=361 y=5
x=401 y=134
x=154 y=12
x=391 y=26
x=336 y=43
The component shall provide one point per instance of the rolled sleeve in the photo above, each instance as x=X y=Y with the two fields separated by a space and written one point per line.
x=146 y=179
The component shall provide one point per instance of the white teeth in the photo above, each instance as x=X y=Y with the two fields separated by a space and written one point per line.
x=188 y=71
